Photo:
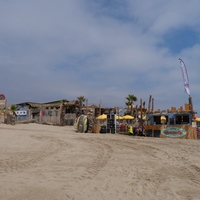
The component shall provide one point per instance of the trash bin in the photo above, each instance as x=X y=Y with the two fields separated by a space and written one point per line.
x=96 y=128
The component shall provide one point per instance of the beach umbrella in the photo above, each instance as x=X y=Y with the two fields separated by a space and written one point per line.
x=144 y=117
x=119 y=117
x=127 y=117
x=197 y=119
x=163 y=118
x=102 y=117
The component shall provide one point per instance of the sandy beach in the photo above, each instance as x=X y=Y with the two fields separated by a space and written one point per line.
x=43 y=162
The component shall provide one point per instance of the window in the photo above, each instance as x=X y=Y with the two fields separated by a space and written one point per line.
x=182 y=119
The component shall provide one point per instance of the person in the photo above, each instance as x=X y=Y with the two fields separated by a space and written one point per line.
x=140 y=131
x=122 y=127
x=130 y=129
x=137 y=131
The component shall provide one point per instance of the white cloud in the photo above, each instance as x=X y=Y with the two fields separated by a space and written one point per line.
x=53 y=50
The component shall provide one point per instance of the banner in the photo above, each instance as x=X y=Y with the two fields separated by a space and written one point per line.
x=185 y=77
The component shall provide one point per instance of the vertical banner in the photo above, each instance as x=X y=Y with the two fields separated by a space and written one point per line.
x=185 y=77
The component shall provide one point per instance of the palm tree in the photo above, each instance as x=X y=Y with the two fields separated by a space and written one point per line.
x=81 y=100
x=12 y=119
x=128 y=105
x=13 y=108
x=131 y=98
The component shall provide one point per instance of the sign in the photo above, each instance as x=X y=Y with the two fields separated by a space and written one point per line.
x=173 y=132
x=2 y=101
x=21 y=113
x=194 y=124
x=2 y=97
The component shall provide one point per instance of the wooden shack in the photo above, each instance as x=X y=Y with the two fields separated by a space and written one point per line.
x=171 y=123
x=60 y=112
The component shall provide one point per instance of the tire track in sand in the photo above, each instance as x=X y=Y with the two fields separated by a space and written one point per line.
x=23 y=160
x=103 y=153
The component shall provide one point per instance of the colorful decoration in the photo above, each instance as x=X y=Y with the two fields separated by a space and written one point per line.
x=2 y=97
x=173 y=132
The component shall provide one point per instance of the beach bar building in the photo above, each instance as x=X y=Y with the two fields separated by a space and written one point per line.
x=60 y=112
x=172 y=123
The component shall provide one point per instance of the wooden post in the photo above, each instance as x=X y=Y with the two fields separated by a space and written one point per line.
x=152 y=109
x=191 y=105
x=94 y=110
x=40 y=117
x=149 y=104
x=141 y=111
x=4 y=113
x=100 y=108
x=86 y=111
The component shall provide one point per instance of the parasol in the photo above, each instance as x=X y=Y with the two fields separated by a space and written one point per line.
x=127 y=117
x=102 y=117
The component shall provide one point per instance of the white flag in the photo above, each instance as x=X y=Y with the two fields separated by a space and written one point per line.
x=185 y=77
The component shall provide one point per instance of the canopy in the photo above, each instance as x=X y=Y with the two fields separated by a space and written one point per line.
x=102 y=117
x=127 y=117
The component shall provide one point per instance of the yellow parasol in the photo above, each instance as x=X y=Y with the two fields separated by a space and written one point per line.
x=197 y=119
x=119 y=117
x=102 y=117
x=144 y=117
x=127 y=117
x=163 y=118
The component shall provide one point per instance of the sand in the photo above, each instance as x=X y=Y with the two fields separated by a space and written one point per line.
x=43 y=162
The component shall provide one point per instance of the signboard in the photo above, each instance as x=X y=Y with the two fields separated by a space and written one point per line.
x=173 y=132
x=21 y=113
x=2 y=97
x=194 y=124
x=2 y=101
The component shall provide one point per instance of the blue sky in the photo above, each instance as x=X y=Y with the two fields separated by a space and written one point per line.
x=102 y=50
